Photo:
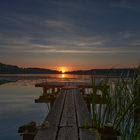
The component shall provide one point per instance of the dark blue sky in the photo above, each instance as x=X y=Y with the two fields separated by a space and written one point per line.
x=71 y=33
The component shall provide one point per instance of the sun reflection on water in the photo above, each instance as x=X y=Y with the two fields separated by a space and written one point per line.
x=63 y=76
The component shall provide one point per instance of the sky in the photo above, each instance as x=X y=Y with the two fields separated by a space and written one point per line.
x=75 y=34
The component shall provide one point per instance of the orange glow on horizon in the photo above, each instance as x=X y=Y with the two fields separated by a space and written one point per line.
x=63 y=69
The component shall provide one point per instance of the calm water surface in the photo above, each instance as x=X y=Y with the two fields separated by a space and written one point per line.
x=17 y=105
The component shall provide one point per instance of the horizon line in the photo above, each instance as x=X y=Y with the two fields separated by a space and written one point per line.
x=60 y=70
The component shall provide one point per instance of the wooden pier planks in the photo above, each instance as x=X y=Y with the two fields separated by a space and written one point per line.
x=83 y=118
x=66 y=119
x=53 y=120
x=86 y=134
x=49 y=133
x=69 y=114
x=83 y=115
x=68 y=125
x=68 y=133
x=54 y=115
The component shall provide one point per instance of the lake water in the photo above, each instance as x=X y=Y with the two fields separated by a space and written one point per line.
x=17 y=106
x=17 y=100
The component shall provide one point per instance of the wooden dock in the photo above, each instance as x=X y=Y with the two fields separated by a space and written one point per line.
x=68 y=119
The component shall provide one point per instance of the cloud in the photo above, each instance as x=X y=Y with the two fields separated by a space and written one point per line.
x=84 y=51
x=121 y=42
x=58 y=27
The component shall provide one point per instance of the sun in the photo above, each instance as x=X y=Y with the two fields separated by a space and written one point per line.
x=63 y=69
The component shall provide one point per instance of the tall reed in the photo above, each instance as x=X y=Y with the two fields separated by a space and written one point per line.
x=122 y=96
